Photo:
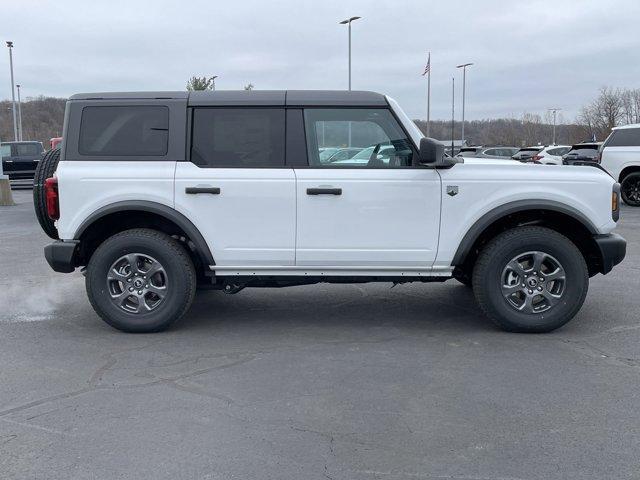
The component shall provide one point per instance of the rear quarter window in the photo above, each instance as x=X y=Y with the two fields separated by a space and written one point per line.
x=124 y=131
x=625 y=137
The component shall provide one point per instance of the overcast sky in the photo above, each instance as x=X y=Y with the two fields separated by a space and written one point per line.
x=528 y=55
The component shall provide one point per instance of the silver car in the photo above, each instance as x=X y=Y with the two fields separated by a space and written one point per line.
x=504 y=153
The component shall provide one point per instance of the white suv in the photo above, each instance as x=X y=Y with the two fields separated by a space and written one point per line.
x=158 y=193
x=620 y=156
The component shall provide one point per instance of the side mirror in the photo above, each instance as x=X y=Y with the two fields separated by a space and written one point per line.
x=432 y=154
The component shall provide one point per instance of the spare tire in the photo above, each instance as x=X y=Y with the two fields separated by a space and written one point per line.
x=45 y=169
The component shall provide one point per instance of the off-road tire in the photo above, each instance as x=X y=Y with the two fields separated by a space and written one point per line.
x=627 y=182
x=45 y=169
x=488 y=279
x=170 y=255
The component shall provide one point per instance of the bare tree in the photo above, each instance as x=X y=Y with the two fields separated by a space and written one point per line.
x=249 y=86
x=201 y=83
x=604 y=113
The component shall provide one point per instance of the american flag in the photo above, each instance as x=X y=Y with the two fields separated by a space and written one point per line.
x=427 y=68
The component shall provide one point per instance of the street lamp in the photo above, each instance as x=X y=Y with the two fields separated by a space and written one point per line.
x=464 y=81
x=555 y=111
x=348 y=22
x=13 y=94
x=213 y=82
x=19 y=114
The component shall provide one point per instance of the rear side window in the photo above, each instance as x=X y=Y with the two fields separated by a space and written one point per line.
x=124 y=131
x=238 y=137
x=28 y=149
x=558 y=151
x=625 y=137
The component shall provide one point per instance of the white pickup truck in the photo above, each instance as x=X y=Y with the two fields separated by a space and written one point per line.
x=157 y=194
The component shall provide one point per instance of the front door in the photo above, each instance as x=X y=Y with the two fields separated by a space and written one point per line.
x=236 y=188
x=373 y=209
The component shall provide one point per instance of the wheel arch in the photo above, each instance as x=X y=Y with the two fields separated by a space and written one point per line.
x=627 y=170
x=120 y=216
x=555 y=215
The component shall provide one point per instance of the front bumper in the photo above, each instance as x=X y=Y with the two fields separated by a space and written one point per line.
x=60 y=255
x=613 y=249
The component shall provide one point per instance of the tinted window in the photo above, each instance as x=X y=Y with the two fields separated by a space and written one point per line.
x=28 y=149
x=5 y=151
x=375 y=132
x=626 y=137
x=584 y=152
x=238 y=137
x=124 y=131
x=558 y=151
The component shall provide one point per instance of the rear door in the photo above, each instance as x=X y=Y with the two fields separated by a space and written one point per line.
x=373 y=210
x=236 y=188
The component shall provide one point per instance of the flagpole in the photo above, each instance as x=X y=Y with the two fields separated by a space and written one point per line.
x=429 y=95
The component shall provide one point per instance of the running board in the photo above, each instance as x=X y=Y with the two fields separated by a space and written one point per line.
x=321 y=270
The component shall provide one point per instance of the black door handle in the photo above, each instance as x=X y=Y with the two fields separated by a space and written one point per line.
x=194 y=190
x=324 y=191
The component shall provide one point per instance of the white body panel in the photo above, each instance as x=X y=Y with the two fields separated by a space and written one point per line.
x=87 y=186
x=251 y=222
x=384 y=217
x=616 y=159
x=483 y=187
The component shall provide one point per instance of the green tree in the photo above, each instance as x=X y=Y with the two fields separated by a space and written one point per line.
x=201 y=83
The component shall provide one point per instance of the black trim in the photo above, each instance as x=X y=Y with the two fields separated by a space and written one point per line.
x=60 y=255
x=613 y=249
x=197 y=190
x=324 y=191
x=519 y=206
x=167 y=212
x=295 y=139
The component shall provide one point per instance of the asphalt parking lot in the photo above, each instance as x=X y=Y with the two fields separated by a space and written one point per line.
x=317 y=382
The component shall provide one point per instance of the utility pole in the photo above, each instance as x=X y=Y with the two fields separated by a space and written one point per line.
x=453 y=115
x=464 y=86
x=19 y=115
x=13 y=90
x=555 y=111
x=348 y=23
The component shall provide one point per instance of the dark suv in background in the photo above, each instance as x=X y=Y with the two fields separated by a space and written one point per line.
x=20 y=159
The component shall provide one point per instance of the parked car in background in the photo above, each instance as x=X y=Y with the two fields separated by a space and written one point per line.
x=583 y=153
x=525 y=154
x=20 y=159
x=620 y=156
x=551 y=155
x=497 y=152
x=339 y=154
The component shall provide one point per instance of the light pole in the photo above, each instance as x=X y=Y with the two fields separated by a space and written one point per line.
x=348 y=22
x=19 y=114
x=13 y=92
x=555 y=111
x=464 y=86
x=213 y=82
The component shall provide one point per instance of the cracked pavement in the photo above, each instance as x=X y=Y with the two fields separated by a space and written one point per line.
x=315 y=382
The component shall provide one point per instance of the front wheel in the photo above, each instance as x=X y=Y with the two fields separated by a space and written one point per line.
x=530 y=279
x=630 y=189
x=140 y=281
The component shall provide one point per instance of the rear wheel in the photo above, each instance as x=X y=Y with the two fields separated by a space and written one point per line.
x=140 y=281
x=45 y=169
x=630 y=189
x=530 y=279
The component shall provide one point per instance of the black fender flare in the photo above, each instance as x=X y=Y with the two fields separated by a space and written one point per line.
x=160 y=209
x=507 y=209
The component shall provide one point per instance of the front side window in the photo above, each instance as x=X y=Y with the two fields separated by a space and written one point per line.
x=124 y=131
x=238 y=137
x=368 y=138
x=625 y=137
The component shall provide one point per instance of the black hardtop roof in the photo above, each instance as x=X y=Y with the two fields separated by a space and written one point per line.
x=326 y=98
